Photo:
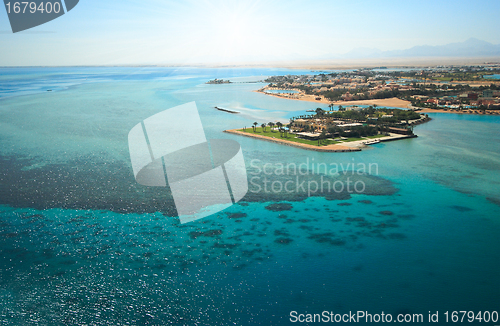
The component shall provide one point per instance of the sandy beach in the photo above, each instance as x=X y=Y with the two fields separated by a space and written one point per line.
x=470 y=111
x=387 y=102
x=298 y=97
x=393 y=102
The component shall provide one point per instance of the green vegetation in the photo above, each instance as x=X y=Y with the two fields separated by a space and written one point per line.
x=289 y=137
x=375 y=136
x=458 y=76
x=356 y=123
x=371 y=117
x=398 y=115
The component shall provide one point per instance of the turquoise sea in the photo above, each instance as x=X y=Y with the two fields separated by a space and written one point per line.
x=81 y=243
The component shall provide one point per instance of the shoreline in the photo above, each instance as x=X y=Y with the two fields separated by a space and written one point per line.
x=387 y=102
x=354 y=146
x=303 y=97
x=300 y=96
x=469 y=111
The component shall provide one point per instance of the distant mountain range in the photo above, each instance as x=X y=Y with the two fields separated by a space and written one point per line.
x=470 y=48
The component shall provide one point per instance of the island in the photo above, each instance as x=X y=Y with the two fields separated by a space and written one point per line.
x=218 y=81
x=348 y=129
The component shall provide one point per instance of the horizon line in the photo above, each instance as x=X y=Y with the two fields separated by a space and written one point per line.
x=389 y=62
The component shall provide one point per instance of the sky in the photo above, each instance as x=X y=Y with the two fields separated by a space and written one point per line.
x=162 y=32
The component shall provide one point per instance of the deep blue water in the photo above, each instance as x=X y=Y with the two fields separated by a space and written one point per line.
x=82 y=243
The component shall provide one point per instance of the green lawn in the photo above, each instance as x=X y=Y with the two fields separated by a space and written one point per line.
x=294 y=138
x=289 y=137
x=375 y=136
x=443 y=78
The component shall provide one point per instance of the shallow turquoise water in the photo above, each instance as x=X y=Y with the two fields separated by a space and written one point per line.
x=82 y=243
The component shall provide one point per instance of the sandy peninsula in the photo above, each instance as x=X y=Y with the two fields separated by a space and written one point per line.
x=392 y=102
x=386 y=102
x=297 y=97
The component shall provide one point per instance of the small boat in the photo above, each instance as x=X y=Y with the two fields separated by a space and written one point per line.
x=371 y=142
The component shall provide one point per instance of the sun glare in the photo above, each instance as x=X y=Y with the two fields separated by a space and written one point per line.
x=233 y=29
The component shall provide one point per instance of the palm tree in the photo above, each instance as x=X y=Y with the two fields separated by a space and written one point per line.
x=254 y=126
x=288 y=126
x=271 y=125
x=322 y=136
x=263 y=127
x=319 y=111
x=279 y=124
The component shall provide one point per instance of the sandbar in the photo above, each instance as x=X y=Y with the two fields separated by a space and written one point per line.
x=392 y=102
